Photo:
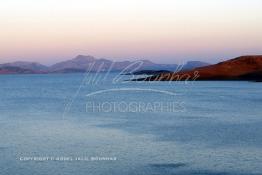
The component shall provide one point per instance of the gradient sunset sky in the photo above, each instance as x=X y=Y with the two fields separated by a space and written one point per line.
x=164 y=31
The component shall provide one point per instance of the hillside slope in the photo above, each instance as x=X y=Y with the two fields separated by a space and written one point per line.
x=240 y=68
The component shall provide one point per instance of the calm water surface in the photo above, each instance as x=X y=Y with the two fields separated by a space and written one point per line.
x=219 y=130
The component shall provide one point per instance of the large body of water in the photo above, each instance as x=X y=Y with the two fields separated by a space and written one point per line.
x=217 y=131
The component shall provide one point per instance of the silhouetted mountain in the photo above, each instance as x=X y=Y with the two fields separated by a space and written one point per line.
x=84 y=63
x=148 y=72
x=26 y=65
x=194 y=64
x=80 y=62
x=88 y=63
x=240 y=68
x=15 y=70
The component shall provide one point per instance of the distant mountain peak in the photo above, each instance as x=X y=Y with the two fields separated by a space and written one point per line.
x=83 y=63
x=194 y=64
x=26 y=65
x=83 y=58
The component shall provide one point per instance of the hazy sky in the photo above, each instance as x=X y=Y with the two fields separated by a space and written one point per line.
x=160 y=30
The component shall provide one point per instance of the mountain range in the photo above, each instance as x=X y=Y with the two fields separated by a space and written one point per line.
x=241 y=68
x=83 y=63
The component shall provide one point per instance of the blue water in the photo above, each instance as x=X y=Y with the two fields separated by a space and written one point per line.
x=218 y=130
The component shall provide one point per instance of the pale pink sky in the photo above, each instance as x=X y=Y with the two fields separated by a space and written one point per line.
x=160 y=30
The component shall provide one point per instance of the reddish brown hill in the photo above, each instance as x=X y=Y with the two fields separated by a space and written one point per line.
x=240 y=68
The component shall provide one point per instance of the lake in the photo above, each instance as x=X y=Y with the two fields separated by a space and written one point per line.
x=100 y=124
